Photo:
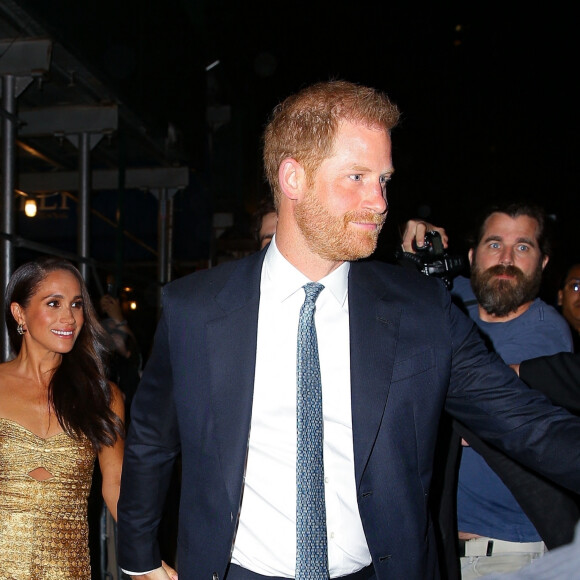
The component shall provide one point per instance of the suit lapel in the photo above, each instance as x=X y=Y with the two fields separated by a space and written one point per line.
x=374 y=328
x=232 y=337
x=232 y=345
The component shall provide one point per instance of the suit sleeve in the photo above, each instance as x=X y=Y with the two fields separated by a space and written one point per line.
x=150 y=451
x=553 y=510
x=486 y=396
x=556 y=376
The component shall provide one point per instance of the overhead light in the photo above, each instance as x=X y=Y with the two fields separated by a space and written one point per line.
x=30 y=207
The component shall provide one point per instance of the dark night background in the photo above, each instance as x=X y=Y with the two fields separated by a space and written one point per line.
x=488 y=94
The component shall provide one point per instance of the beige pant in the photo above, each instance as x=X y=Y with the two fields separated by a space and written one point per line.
x=478 y=566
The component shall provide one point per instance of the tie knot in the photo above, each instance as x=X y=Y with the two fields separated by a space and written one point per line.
x=312 y=289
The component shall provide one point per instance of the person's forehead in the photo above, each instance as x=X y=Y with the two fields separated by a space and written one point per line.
x=502 y=224
x=347 y=127
x=359 y=141
x=573 y=273
x=57 y=283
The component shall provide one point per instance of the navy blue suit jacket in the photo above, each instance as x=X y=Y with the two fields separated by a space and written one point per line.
x=412 y=354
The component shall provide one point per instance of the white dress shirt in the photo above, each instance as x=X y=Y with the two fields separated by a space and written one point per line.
x=265 y=541
x=266 y=537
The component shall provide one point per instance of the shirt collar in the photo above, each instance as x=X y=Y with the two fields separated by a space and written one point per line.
x=283 y=279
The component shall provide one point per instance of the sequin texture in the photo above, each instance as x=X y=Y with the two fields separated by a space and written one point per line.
x=43 y=524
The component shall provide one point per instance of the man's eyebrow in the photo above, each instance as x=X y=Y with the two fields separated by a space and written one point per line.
x=498 y=238
x=492 y=238
x=363 y=168
x=529 y=241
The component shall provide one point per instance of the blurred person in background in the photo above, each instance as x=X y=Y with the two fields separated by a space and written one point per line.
x=265 y=220
x=125 y=363
x=569 y=301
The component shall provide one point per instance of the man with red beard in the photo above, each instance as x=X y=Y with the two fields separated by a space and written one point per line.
x=303 y=385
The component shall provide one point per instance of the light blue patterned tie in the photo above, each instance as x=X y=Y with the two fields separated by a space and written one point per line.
x=311 y=542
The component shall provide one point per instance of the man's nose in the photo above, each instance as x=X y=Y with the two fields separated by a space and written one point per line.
x=376 y=199
x=506 y=258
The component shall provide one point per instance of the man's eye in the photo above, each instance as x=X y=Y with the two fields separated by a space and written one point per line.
x=494 y=245
x=523 y=248
x=356 y=177
x=574 y=286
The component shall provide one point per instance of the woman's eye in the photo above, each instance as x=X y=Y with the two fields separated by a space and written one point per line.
x=78 y=304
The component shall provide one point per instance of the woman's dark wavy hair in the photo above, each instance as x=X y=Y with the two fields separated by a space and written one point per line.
x=79 y=390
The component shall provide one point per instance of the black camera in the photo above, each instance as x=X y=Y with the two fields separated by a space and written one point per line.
x=432 y=260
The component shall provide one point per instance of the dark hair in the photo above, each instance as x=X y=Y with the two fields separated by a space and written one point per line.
x=79 y=390
x=575 y=263
x=515 y=209
x=265 y=206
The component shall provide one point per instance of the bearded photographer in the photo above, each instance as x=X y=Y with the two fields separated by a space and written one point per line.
x=503 y=515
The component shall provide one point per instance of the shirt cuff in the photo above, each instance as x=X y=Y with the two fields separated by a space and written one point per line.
x=137 y=573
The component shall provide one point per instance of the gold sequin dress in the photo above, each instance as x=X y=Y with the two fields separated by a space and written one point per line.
x=43 y=524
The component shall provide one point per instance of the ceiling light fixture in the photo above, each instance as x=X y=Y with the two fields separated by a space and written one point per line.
x=30 y=207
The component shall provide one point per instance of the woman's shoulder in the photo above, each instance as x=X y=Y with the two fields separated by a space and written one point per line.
x=8 y=376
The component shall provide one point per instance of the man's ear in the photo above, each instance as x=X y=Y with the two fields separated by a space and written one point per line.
x=291 y=177
x=560 y=297
x=470 y=256
x=545 y=261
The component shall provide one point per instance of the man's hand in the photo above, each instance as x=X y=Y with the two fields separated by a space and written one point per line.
x=169 y=570
x=165 y=572
x=111 y=306
x=415 y=230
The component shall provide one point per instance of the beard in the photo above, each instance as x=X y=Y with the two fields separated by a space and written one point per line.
x=332 y=237
x=501 y=297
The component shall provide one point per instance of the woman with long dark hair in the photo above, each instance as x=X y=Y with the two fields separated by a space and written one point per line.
x=58 y=412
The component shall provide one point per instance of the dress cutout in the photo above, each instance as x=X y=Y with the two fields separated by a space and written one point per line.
x=43 y=524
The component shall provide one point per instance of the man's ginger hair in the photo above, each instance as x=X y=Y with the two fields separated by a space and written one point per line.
x=304 y=125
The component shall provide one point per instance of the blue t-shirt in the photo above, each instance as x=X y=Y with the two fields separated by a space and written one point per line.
x=485 y=506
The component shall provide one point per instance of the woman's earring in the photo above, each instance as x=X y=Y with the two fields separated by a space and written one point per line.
x=20 y=329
